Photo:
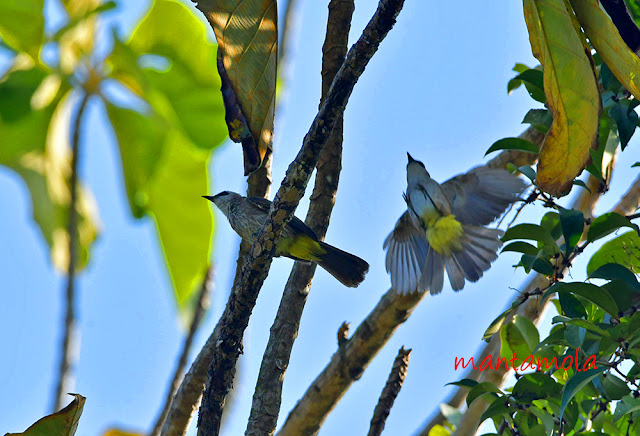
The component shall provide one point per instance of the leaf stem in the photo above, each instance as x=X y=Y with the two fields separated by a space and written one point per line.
x=69 y=341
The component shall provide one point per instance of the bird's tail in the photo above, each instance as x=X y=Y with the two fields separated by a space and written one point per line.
x=479 y=249
x=347 y=268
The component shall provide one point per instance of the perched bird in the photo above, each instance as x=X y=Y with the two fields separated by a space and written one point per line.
x=247 y=215
x=443 y=228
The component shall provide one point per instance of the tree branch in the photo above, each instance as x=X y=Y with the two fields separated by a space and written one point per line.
x=70 y=337
x=348 y=364
x=235 y=318
x=186 y=400
x=203 y=304
x=390 y=392
x=268 y=393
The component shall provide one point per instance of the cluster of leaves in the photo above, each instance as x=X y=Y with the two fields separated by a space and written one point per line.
x=615 y=85
x=595 y=338
x=167 y=124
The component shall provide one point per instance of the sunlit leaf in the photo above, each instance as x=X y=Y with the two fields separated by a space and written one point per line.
x=35 y=144
x=187 y=92
x=22 y=25
x=247 y=35
x=76 y=42
x=625 y=250
x=608 y=223
x=165 y=147
x=165 y=176
x=62 y=423
x=572 y=94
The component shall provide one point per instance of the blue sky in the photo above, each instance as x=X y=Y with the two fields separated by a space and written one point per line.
x=436 y=88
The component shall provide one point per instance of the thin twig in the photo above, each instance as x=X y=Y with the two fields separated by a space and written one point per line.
x=201 y=308
x=69 y=341
x=348 y=364
x=390 y=392
x=268 y=393
x=236 y=315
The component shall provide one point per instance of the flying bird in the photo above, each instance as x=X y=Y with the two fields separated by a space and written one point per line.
x=444 y=228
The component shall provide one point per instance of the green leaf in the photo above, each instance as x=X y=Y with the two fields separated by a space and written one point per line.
x=572 y=222
x=522 y=247
x=624 y=250
x=480 y=389
x=533 y=81
x=535 y=386
x=34 y=142
x=571 y=306
x=513 y=341
x=499 y=408
x=528 y=330
x=614 y=387
x=575 y=384
x=62 y=423
x=513 y=144
x=529 y=231
x=465 y=382
x=582 y=184
x=495 y=325
x=588 y=291
x=165 y=176
x=187 y=94
x=540 y=119
x=525 y=170
x=165 y=150
x=608 y=223
x=626 y=120
x=22 y=25
x=571 y=90
x=613 y=271
x=627 y=405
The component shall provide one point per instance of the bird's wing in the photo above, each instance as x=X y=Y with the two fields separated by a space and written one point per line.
x=296 y=225
x=483 y=194
x=407 y=249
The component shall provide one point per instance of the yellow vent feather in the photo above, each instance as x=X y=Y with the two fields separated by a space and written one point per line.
x=444 y=235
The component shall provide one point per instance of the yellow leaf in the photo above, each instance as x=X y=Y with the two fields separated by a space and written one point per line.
x=572 y=94
x=606 y=39
x=247 y=35
x=116 y=432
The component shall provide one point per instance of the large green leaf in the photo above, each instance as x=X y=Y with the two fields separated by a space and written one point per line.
x=187 y=92
x=165 y=176
x=22 y=25
x=34 y=142
x=247 y=34
x=625 y=250
x=62 y=423
x=572 y=94
x=165 y=149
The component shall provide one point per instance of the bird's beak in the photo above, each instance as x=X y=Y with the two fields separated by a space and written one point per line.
x=410 y=158
x=208 y=197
